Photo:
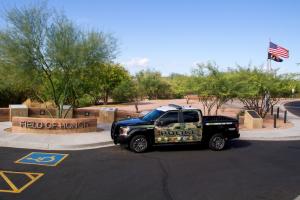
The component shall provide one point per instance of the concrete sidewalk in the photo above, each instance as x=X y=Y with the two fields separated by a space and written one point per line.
x=274 y=134
x=72 y=141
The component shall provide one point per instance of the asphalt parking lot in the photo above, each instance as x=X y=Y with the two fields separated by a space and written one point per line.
x=246 y=170
x=293 y=107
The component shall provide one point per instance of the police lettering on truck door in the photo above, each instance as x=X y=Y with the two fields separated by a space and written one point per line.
x=172 y=131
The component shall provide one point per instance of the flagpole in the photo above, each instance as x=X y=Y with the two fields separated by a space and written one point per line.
x=270 y=65
x=270 y=60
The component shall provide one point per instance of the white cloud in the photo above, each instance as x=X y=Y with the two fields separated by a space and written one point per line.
x=137 y=63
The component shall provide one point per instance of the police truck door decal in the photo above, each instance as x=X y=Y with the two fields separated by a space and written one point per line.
x=169 y=130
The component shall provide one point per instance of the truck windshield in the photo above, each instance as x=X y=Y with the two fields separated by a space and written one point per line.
x=153 y=115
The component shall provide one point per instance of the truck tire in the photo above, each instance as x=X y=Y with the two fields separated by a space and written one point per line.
x=217 y=142
x=139 y=144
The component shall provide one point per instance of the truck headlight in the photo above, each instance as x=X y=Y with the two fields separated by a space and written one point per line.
x=124 y=130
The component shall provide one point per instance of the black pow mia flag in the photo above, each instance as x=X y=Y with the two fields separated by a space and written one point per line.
x=274 y=57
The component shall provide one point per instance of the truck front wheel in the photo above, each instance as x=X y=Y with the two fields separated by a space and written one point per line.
x=139 y=143
x=217 y=142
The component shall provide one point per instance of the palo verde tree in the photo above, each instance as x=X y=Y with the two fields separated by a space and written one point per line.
x=153 y=84
x=129 y=91
x=258 y=90
x=180 y=85
x=15 y=85
x=213 y=87
x=102 y=78
x=53 y=50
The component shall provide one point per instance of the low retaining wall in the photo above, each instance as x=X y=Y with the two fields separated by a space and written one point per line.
x=4 y=114
x=121 y=114
x=41 y=113
x=53 y=125
x=87 y=113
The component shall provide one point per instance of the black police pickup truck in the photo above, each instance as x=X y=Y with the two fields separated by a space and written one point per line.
x=174 y=124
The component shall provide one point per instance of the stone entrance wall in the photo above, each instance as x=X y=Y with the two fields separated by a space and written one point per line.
x=53 y=125
x=4 y=114
x=103 y=115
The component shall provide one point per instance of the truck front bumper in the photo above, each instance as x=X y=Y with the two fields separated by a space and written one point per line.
x=233 y=135
x=121 y=139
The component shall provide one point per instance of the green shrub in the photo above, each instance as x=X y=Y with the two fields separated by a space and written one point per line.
x=85 y=101
x=124 y=92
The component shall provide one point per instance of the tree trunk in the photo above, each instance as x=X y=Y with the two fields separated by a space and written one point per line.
x=136 y=103
x=105 y=99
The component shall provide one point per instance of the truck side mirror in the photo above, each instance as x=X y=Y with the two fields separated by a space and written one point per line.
x=158 y=123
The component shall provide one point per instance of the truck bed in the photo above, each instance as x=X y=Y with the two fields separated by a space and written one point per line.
x=217 y=119
x=228 y=126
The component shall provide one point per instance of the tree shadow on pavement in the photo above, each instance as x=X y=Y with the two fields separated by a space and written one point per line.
x=233 y=144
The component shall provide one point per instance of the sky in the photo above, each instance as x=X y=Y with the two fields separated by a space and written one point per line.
x=173 y=35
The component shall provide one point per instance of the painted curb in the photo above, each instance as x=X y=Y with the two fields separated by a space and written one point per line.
x=43 y=146
x=270 y=139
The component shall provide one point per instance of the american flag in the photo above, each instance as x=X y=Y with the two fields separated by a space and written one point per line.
x=278 y=50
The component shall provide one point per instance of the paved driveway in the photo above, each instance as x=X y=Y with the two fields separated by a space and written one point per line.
x=293 y=107
x=247 y=170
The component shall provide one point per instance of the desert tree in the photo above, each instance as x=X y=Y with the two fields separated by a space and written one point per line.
x=53 y=50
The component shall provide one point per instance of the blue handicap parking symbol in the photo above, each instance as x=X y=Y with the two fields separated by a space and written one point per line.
x=39 y=158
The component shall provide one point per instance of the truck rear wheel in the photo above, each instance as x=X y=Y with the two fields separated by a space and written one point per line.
x=139 y=143
x=217 y=142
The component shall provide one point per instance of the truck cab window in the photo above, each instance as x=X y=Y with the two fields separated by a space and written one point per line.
x=153 y=115
x=169 y=118
x=191 y=116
